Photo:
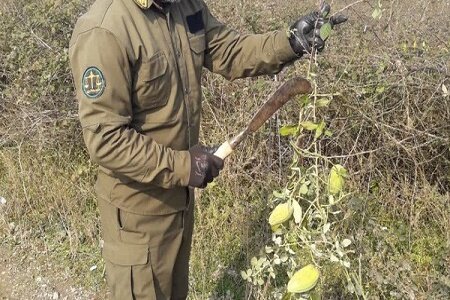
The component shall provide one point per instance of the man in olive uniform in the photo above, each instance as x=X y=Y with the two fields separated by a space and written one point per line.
x=137 y=66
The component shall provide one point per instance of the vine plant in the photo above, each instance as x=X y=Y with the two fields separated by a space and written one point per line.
x=306 y=210
x=302 y=218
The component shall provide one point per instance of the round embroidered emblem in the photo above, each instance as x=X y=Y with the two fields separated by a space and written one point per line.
x=93 y=83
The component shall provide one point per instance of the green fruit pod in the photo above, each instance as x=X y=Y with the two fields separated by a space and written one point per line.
x=281 y=214
x=303 y=280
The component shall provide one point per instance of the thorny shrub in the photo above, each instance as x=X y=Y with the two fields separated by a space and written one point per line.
x=387 y=118
x=306 y=237
x=35 y=80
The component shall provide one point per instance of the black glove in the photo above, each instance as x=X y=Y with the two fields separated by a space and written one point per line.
x=204 y=165
x=305 y=33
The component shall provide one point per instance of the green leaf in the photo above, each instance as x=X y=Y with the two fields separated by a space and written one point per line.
x=377 y=13
x=328 y=133
x=345 y=243
x=380 y=89
x=309 y=125
x=331 y=199
x=444 y=90
x=303 y=189
x=297 y=212
x=326 y=228
x=304 y=100
x=279 y=195
x=336 y=182
x=323 y=102
x=286 y=296
x=325 y=31
x=244 y=275
x=336 y=179
x=315 y=296
x=259 y=263
x=341 y=171
x=289 y=130
x=253 y=261
x=319 y=130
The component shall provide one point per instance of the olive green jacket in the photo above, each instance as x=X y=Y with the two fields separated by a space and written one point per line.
x=137 y=75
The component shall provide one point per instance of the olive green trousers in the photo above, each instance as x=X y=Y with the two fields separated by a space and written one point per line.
x=146 y=257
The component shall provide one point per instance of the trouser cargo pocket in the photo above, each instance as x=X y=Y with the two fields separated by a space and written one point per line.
x=129 y=273
x=146 y=256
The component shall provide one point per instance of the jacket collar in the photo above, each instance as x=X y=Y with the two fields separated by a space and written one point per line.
x=144 y=4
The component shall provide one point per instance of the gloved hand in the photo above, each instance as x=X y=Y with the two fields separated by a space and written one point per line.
x=305 y=33
x=205 y=166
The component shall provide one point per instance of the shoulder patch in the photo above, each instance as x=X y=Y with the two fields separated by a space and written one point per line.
x=195 y=22
x=93 y=83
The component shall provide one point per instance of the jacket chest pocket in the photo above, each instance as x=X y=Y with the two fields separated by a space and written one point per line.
x=197 y=44
x=152 y=83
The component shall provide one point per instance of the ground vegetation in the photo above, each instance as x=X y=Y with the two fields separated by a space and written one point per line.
x=385 y=82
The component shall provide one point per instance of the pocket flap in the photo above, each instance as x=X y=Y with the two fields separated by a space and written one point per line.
x=198 y=43
x=155 y=67
x=125 y=254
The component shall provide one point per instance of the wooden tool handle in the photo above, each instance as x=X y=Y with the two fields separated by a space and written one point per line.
x=283 y=94
x=224 y=150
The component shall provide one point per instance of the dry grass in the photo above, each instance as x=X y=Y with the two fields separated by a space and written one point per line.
x=390 y=124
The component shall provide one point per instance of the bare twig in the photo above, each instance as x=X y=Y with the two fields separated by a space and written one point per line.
x=348 y=6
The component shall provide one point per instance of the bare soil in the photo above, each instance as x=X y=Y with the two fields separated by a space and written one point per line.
x=24 y=277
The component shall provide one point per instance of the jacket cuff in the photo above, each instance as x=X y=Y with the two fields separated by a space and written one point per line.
x=182 y=166
x=283 y=48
